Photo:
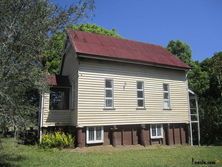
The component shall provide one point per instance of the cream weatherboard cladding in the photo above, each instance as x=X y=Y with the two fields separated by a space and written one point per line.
x=92 y=75
x=55 y=117
x=70 y=68
x=64 y=117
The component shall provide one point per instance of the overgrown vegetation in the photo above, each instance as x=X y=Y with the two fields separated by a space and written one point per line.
x=26 y=27
x=205 y=79
x=57 y=139
x=28 y=137
x=14 y=155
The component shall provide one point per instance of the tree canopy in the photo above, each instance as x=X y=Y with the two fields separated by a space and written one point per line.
x=211 y=101
x=93 y=28
x=181 y=50
x=197 y=78
x=26 y=29
x=53 y=53
x=205 y=79
x=213 y=66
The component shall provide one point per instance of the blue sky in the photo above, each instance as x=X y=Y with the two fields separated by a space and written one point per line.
x=196 y=22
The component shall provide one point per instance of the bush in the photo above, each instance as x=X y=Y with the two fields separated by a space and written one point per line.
x=28 y=137
x=57 y=139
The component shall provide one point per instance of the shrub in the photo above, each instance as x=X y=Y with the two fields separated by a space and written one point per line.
x=57 y=139
x=28 y=136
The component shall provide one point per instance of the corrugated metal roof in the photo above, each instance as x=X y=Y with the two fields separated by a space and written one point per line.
x=121 y=49
x=58 y=80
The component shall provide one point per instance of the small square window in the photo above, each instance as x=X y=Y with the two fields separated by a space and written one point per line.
x=156 y=131
x=94 y=135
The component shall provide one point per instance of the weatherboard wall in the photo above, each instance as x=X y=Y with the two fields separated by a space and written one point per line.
x=64 y=117
x=91 y=81
x=54 y=117
x=70 y=68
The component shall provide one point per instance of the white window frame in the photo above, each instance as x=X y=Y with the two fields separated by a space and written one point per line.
x=155 y=126
x=95 y=140
x=107 y=98
x=166 y=100
x=140 y=98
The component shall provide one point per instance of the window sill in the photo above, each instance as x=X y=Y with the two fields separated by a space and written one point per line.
x=140 y=108
x=158 y=137
x=109 y=109
x=94 y=142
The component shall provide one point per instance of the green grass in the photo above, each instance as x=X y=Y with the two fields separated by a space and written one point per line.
x=13 y=154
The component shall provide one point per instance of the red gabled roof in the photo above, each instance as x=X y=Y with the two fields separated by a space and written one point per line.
x=121 y=49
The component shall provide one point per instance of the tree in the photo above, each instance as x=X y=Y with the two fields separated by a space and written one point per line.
x=210 y=111
x=26 y=27
x=213 y=66
x=181 y=50
x=95 y=29
x=211 y=101
x=53 y=53
x=197 y=78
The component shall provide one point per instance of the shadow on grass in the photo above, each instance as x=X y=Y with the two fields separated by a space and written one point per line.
x=9 y=160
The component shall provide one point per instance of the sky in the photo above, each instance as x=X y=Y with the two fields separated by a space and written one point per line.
x=195 y=22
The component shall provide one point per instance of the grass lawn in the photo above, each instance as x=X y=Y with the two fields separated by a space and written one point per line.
x=13 y=154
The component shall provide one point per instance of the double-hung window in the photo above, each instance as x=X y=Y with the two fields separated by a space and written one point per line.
x=156 y=131
x=108 y=93
x=94 y=135
x=166 y=96
x=140 y=94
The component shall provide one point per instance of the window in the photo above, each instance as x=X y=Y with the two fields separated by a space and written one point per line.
x=108 y=93
x=94 y=135
x=59 y=98
x=156 y=131
x=140 y=94
x=166 y=96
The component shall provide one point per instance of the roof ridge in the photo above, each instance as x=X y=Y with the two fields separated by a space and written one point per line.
x=124 y=39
